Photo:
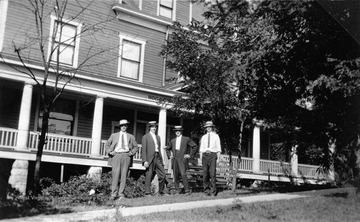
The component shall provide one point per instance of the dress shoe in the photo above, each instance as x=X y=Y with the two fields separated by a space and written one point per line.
x=187 y=194
x=121 y=195
x=164 y=194
x=148 y=195
x=206 y=194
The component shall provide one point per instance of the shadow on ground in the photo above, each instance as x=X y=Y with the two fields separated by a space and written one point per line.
x=16 y=208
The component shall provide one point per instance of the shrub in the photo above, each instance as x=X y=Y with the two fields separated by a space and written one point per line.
x=83 y=189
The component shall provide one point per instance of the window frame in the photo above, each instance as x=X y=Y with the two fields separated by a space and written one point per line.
x=173 y=10
x=142 y=44
x=76 y=42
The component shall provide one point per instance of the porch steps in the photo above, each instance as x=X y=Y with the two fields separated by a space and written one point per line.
x=195 y=178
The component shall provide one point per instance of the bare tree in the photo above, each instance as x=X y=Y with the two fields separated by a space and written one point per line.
x=53 y=46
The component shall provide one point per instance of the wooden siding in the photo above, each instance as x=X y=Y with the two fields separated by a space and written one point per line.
x=182 y=11
x=20 y=23
x=150 y=7
x=104 y=65
x=153 y=62
x=86 y=113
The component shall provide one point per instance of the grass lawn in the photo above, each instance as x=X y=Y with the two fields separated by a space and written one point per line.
x=30 y=207
x=344 y=206
x=323 y=208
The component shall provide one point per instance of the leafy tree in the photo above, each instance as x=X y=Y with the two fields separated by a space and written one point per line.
x=287 y=63
x=56 y=77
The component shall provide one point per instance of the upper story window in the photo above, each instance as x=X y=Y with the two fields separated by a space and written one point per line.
x=67 y=38
x=131 y=59
x=167 y=8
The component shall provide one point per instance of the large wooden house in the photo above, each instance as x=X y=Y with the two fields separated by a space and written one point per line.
x=123 y=78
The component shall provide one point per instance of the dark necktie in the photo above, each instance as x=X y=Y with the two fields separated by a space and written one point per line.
x=122 y=141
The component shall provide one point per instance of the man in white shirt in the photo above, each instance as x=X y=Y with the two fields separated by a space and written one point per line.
x=210 y=150
x=121 y=147
x=180 y=149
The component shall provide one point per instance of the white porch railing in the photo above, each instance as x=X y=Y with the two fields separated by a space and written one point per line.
x=82 y=146
x=309 y=171
x=62 y=144
x=275 y=167
x=8 y=137
x=246 y=163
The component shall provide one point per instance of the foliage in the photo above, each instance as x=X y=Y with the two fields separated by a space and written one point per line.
x=16 y=205
x=289 y=64
x=78 y=188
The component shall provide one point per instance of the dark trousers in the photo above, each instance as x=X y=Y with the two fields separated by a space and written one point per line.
x=120 y=168
x=156 y=166
x=179 y=167
x=209 y=172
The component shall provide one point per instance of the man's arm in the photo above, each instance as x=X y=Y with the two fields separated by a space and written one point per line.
x=143 y=149
x=218 y=147
x=134 y=145
x=108 y=143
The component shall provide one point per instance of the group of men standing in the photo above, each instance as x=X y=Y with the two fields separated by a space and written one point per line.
x=122 y=146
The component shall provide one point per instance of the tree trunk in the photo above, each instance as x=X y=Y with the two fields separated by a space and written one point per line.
x=236 y=165
x=42 y=141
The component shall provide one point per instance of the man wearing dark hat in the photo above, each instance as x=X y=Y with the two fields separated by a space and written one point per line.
x=152 y=159
x=180 y=149
x=210 y=150
x=120 y=147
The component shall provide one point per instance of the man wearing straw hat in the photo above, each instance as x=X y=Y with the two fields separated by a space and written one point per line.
x=210 y=149
x=152 y=159
x=120 y=147
x=180 y=150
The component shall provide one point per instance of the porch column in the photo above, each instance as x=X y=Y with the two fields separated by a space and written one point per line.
x=24 y=118
x=162 y=132
x=331 y=173
x=97 y=126
x=294 y=161
x=256 y=149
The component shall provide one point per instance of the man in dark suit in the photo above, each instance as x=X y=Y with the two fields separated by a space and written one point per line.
x=180 y=149
x=121 y=147
x=152 y=159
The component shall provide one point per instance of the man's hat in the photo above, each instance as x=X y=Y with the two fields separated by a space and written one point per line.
x=123 y=122
x=178 y=128
x=152 y=123
x=209 y=124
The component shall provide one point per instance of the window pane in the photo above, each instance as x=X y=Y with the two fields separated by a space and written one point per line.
x=68 y=34
x=131 y=51
x=59 y=126
x=167 y=3
x=59 y=123
x=166 y=12
x=129 y=69
x=66 y=54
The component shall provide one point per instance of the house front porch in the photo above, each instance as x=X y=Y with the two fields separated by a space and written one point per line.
x=64 y=149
